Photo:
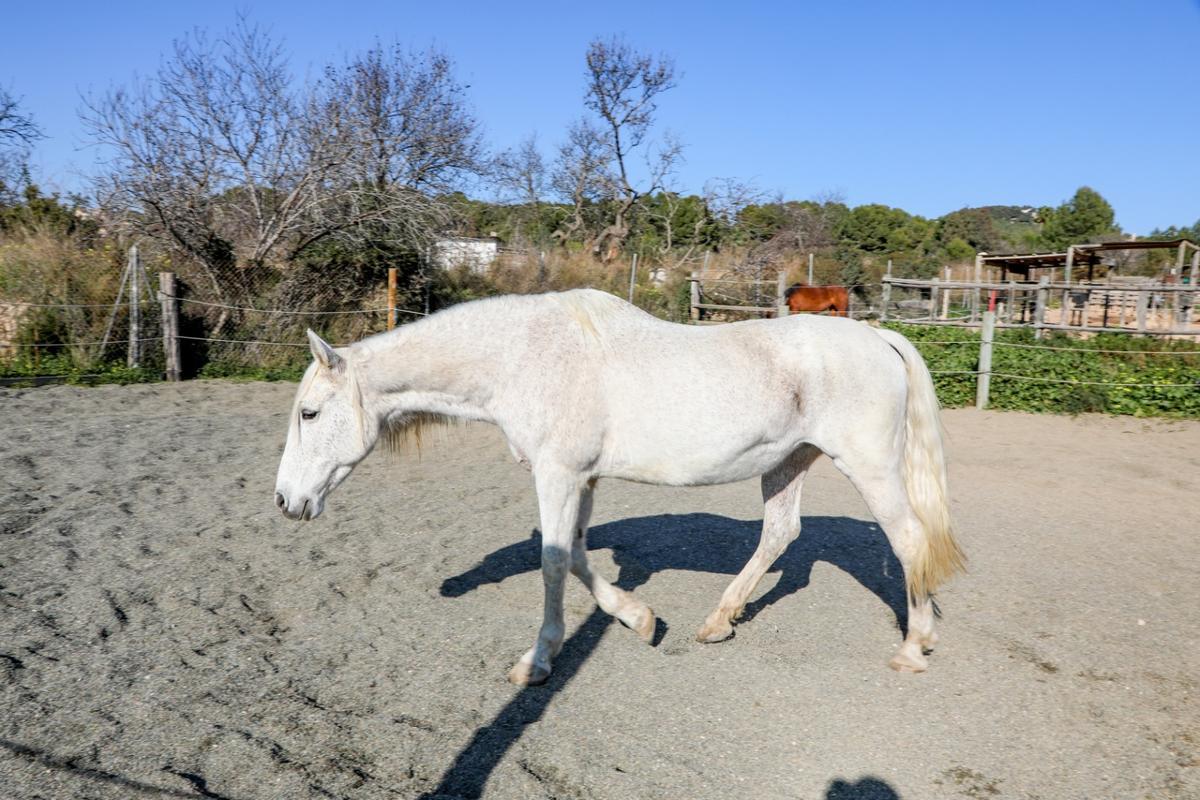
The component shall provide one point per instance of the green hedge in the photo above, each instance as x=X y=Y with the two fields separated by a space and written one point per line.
x=1080 y=363
x=23 y=370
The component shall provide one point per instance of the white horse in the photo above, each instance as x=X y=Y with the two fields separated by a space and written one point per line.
x=586 y=386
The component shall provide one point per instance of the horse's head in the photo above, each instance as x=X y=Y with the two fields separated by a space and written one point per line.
x=329 y=432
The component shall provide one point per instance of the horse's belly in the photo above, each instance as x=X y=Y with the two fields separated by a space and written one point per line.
x=702 y=463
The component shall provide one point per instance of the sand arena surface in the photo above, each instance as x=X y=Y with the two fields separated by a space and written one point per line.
x=164 y=632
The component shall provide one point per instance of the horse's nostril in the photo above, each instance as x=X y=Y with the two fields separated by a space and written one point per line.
x=280 y=502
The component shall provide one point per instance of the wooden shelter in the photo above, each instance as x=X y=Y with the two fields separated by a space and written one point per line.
x=1086 y=255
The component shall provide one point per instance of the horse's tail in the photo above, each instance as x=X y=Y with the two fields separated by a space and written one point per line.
x=938 y=554
x=841 y=297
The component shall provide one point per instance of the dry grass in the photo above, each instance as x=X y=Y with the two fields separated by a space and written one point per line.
x=39 y=268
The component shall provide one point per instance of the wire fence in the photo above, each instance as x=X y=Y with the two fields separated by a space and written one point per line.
x=1161 y=377
x=85 y=318
x=261 y=335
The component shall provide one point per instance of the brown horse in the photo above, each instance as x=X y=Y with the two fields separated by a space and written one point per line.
x=816 y=299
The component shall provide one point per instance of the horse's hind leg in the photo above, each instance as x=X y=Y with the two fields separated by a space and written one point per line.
x=781 y=525
x=633 y=613
x=880 y=481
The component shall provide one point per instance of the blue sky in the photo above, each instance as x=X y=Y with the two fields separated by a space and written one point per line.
x=928 y=106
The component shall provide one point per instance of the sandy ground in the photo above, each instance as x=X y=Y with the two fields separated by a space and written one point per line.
x=165 y=633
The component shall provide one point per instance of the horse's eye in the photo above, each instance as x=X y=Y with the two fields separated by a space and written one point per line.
x=308 y=415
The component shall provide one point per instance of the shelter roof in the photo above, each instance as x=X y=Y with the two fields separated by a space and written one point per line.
x=1084 y=254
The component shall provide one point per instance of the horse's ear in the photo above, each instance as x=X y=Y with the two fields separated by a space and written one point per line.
x=323 y=352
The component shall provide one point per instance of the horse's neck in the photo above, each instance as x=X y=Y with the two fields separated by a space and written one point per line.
x=433 y=367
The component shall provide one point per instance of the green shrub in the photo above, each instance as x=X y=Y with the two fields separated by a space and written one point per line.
x=66 y=368
x=1079 y=377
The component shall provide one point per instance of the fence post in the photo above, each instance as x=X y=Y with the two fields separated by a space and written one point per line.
x=1143 y=301
x=1176 y=312
x=1193 y=275
x=933 y=299
x=632 y=275
x=170 y=323
x=135 y=300
x=810 y=269
x=984 y=379
x=946 y=298
x=695 y=292
x=781 y=295
x=886 y=293
x=1039 y=310
x=391 y=298
x=975 y=289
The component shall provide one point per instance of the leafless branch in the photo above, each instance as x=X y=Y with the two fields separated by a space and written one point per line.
x=623 y=87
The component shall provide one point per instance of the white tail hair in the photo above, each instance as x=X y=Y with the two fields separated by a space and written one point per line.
x=938 y=556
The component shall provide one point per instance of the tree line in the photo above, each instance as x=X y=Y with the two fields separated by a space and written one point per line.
x=226 y=164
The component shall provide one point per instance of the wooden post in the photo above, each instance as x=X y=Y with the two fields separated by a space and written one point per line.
x=946 y=298
x=933 y=298
x=1143 y=300
x=1039 y=311
x=886 y=298
x=1066 y=295
x=1195 y=273
x=135 y=300
x=170 y=323
x=391 y=298
x=983 y=381
x=781 y=304
x=1176 y=316
x=975 y=289
x=632 y=275
x=810 y=269
x=1012 y=299
x=695 y=291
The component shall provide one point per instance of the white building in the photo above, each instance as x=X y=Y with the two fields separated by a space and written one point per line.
x=477 y=254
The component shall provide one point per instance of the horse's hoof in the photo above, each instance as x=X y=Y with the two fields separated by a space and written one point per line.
x=909 y=659
x=523 y=674
x=711 y=633
x=645 y=627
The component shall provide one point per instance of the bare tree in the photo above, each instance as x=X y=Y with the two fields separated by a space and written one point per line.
x=579 y=176
x=405 y=139
x=725 y=197
x=213 y=156
x=811 y=224
x=405 y=120
x=680 y=219
x=523 y=178
x=225 y=158
x=18 y=133
x=623 y=87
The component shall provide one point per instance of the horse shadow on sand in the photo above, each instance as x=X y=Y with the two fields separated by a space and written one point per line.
x=640 y=547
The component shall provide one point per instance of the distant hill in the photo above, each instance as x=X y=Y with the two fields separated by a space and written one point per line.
x=994 y=229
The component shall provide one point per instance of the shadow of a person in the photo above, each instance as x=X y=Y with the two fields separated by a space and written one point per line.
x=865 y=789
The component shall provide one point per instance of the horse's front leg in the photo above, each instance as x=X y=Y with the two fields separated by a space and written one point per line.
x=559 y=494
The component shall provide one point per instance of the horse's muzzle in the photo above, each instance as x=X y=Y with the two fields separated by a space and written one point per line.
x=308 y=509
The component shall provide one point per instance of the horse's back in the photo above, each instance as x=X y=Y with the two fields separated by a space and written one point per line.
x=692 y=404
